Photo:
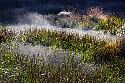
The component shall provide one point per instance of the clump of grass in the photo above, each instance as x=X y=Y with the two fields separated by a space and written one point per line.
x=112 y=24
x=15 y=67
x=113 y=72
x=6 y=35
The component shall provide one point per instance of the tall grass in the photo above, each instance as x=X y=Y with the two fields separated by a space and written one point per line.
x=100 y=61
x=6 y=35
x=16 y=67
x=73 y=42
x=95 y=18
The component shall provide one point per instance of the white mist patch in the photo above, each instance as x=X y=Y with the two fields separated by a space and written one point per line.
x=33 y=19
x=29 y=20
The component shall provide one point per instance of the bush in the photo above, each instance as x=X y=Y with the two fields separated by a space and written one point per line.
x=112 y=24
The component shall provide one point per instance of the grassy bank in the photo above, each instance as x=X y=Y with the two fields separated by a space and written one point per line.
x=101 y=61
x=89 y=45
x=16 y=67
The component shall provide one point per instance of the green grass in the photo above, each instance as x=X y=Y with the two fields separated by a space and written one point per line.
x=17 y=68
x=112 y=24
x=5 y=35
x=106 y=61
x=94 y=19
x=98 y=49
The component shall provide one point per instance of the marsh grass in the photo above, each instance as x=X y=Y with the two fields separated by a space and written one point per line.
x=5 y=35
x=105 y=59
x=16 y=67
x=112 y=24
x=95 y=49
x=95 y=18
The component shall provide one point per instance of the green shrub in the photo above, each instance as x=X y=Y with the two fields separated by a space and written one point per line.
x=112 y=24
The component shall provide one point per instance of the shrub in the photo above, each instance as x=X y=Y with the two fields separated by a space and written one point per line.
x=112 y=24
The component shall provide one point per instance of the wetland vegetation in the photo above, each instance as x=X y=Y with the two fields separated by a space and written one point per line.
x=66 y=57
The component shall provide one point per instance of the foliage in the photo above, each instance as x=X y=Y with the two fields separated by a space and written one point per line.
x=100 y=61
x=112 y=24
x=100 y=49
x=94 y=19
x=16 y=67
